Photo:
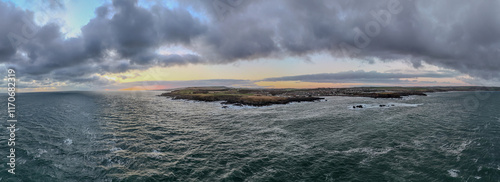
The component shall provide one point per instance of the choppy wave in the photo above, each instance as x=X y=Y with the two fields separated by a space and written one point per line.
x=128 y=136
x=453 y=172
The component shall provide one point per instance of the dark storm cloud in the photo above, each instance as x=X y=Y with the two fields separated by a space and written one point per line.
x=462 y=35
x=362 y=77
x=133 y=33
x=10 y=21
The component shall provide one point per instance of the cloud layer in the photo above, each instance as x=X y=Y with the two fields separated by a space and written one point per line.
x=461 y=35
x=361 y=77
x=350 y=78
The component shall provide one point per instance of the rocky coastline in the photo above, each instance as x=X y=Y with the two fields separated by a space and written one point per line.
x=241 y=100
x=266 y=97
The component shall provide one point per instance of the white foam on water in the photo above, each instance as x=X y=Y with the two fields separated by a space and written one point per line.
x=384 y=105
x=406 y=105
x=367 y=150
x=453 y=172
x=68 y=141
x=461 y=147
x=231 y=106
x=40 y=152
x=155 y=154
x=454 y=149
x=408 y=97
x=115 y=149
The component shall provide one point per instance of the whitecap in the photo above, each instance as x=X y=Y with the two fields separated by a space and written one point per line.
x=68 y=141
x=155 y=154
x=411 y=97
x=40 y=152
x=369 y=151
x=453 y=172
x=459 y=149
x=115 y=149
x=383 y=105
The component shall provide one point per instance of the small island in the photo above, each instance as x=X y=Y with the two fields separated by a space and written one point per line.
x=236 y=96
x=266 y=97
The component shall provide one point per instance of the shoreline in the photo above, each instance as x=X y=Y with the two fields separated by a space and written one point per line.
x=267 y=97
x=238 y=100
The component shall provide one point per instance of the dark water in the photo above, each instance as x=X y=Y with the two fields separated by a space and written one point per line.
x=136 y=136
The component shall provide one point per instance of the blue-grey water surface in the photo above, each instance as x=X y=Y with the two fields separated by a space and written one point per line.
x=138 y=136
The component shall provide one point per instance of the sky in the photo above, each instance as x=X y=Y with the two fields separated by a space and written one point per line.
x=61 y=45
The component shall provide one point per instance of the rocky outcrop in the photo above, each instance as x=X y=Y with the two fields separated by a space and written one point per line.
x=264 y=97
x=240 y=100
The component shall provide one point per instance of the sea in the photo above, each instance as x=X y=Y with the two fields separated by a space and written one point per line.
x=140 y=136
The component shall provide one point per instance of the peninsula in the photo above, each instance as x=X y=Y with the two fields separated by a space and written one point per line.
x=265 y=97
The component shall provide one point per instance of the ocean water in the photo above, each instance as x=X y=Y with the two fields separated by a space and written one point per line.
x=138 y=136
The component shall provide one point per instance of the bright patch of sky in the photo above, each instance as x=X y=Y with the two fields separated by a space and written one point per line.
x=71 y=16
x=149 y=3
x=76 y=14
